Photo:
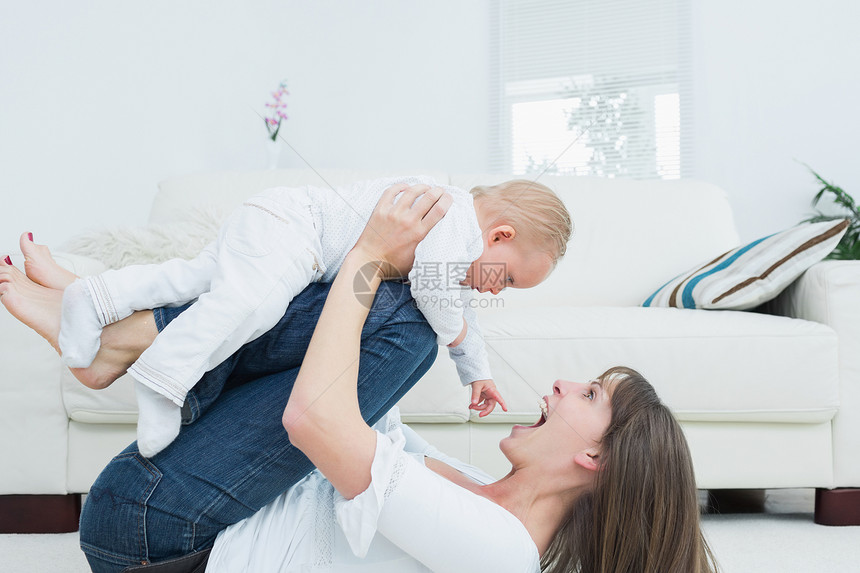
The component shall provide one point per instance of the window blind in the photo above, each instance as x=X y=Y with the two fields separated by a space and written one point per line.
x=591 y=87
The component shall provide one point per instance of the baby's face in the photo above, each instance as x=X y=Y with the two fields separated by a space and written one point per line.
x=507 y=264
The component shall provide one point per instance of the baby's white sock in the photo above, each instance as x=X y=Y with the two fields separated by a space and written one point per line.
x=80 y=329
x=158 y=420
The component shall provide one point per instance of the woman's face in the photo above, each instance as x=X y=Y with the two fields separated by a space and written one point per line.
x=575 y=417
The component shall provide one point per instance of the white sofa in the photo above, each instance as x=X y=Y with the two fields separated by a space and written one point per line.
x=766 y=401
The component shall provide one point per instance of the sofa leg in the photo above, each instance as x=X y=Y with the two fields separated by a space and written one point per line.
x=39 y=513
x=837 y=506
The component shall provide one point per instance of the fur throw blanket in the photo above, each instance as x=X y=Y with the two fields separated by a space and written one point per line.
x=118 y=247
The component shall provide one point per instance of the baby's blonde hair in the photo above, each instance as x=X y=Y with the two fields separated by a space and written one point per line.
x=532 y=209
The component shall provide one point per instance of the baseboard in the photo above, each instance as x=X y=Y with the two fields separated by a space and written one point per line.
x=39 y=513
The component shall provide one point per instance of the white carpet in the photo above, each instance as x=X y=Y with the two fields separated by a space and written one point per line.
x=58 y=553
x=784 y=543
x=782 y=540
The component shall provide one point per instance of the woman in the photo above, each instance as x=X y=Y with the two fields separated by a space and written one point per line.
x=603 y=482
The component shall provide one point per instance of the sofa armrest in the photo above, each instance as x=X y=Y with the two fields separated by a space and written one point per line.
x=829 y=293
x=33 y=419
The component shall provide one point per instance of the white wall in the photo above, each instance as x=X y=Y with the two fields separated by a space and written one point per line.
x=99 y=100
x=776 y=82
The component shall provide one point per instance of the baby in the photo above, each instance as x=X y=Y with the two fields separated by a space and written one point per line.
x=281 y=240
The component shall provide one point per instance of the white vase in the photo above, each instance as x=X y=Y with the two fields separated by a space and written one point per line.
x=273 y=153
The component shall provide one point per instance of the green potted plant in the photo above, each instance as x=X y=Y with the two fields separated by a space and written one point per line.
x=849 y=246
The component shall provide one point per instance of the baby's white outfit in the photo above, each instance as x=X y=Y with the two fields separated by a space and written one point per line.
x=267 y=252
x=410 y=519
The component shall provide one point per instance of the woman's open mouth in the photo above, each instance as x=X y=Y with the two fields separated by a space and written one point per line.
x=544 y=414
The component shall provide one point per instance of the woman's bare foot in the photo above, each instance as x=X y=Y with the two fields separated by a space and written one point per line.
x=41 y=267
x=36 y=306
x=40 y=308
x=121 y=345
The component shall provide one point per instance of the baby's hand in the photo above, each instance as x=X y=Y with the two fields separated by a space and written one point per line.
x=485 y=396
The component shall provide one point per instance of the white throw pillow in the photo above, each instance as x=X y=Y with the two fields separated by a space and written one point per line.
x=119 y=247
x=752 y=274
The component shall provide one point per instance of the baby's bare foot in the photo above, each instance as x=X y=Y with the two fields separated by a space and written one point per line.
x=41 y=267
x=36 y=306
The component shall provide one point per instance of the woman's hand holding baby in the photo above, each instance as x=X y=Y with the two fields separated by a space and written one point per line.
x=401 y=219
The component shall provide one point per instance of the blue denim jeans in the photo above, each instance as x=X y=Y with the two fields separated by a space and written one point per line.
x=235 y=457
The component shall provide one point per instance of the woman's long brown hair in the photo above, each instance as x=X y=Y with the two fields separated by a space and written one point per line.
x=643 y=514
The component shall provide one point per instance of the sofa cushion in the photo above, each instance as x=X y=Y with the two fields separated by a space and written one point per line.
x=784 y=370
x=751 y=274
x=616 y=256
x=224 y=191
x=625 y=238
x=701 y=362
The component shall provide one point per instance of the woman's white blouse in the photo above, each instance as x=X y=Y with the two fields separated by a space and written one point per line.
x=409 y=519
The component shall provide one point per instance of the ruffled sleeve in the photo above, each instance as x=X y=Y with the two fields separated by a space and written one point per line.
x=438 y=523
x=358 y=517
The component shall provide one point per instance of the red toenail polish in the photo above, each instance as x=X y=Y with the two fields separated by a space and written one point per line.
x=8 y=260
x=30 y=236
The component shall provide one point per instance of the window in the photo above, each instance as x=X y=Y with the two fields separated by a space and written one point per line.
x=591 y=87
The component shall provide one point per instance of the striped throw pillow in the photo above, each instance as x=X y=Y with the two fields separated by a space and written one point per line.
x=752 y=274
